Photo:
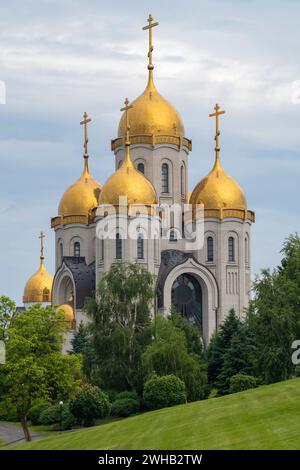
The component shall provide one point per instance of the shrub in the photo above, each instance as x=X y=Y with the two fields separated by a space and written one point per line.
x=8 y=411
x=297 y=370
x=125 y=407
x=111 y=395
x=58 y=416
x=36 y=411
x=160 y=392
x=240 y=382
x=127 y=394
x=50 y=415
x=89 y=404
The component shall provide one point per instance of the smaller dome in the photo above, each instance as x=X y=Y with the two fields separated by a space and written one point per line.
x=128 y=181
x=219 y=191
x=39 y=286
x=82 y=196
x=68 y=312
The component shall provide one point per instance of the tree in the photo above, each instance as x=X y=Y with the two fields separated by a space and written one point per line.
x=238 y=358
x=120 y=326
x=80 y=340
x=7 y=313
x=25 y=381
x=35 y=367
x=219 y=344
x=168 y=354
x=191 y=332
x=274 y=314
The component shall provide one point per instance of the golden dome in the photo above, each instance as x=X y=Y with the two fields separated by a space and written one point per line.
x=219 y=191
x=68 y=312
x=128 y=181
x=82 y=196
x=152 y=115
x=38 y=288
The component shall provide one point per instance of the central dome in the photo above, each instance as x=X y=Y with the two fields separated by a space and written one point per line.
x=152 y=115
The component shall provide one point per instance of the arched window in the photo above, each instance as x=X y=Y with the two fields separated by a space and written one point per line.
x=120 y=163
x=231 y=254
x=182 y=180
x=173 y=235
x=210 y=249
x=61 y=252
x=141 y=167
x=77 y=249
x=140 y=247
x=164 y=178
x=102 y=249
x=246 y=250
x=118 y=246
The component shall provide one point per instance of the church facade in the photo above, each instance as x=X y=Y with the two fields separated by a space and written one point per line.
x=152 y=154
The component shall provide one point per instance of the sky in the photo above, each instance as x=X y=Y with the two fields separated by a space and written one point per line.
x=61 y=58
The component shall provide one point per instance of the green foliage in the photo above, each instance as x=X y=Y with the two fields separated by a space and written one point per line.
x=274 y=314
x=36 y=410
x=126 y=394
x=297 y=370
x=220 y=343
x=120 y=320
x=168 y=354
x=124 y=407
x=35 y=368
x=63 y=375
x=241 y=382
x=161 y=392
x=58 y=416
x=192 y=333
x=7 y=313
x=8 y=411
x=90 y=404
x=230 y=352
x=238 y=358
x=80 y=340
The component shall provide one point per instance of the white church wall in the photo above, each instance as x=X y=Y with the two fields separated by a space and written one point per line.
x=153 y=158
x=69 y=234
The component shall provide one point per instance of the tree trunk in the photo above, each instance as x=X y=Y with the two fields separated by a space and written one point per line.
x=25 y=427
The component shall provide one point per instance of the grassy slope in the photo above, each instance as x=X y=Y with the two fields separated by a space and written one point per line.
x=265 y=418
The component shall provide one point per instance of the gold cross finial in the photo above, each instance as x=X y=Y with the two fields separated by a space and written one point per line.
x=126 y=107
x=149 y=27
x=217 y=114
x=41 y=237
x=85 y=122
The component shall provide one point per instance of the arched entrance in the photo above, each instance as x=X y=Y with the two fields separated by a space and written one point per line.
x=193 y=289
x=186 y=297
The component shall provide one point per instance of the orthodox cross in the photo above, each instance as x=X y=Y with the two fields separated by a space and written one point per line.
x=41 y=237
x=217 y=114
x=85 y=122
x=126 y=107
x=149 y=27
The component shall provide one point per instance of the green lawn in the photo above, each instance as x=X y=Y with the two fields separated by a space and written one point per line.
x=265 y=418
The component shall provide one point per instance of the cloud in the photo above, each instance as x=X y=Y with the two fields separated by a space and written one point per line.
x=60 y=58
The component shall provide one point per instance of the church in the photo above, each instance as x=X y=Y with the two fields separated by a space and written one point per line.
x=151 y=153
